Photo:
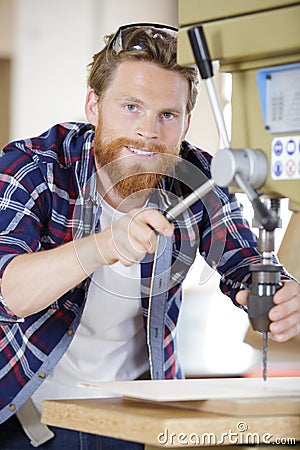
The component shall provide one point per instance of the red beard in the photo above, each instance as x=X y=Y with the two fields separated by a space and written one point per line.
x=132 y=178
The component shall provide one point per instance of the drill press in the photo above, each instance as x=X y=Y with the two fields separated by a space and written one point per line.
x=265 y=74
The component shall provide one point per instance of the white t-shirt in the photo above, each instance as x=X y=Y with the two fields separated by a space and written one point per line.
x=110 y=342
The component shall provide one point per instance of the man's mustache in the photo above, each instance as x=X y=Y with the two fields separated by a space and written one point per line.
x=152 y=147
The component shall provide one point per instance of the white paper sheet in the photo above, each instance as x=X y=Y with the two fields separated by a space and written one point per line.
x=201 y=389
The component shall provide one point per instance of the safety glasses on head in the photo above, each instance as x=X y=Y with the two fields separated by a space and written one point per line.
x=124 y=40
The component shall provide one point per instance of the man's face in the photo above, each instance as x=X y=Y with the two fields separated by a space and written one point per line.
x=142 y=121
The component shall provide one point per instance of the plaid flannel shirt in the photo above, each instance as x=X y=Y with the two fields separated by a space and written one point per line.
x=48 y=197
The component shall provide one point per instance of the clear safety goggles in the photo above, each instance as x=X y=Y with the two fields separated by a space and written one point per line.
x=122 y=40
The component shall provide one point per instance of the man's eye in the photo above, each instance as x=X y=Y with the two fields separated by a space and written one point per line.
x=131 y=107
x=168 y=115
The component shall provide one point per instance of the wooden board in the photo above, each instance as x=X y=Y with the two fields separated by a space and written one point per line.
x=231 y=396
x=144 y=422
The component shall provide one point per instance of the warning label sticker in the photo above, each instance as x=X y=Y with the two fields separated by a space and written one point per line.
x=286 y=158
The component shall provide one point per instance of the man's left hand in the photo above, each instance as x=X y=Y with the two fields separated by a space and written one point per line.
x=285 y=315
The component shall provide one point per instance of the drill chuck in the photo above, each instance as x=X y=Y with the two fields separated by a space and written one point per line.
x=265 y=282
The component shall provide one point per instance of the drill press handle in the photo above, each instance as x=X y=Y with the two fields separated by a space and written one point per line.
x=245 y=168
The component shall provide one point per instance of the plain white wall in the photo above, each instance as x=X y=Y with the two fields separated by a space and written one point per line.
x=110 y=14
x=53 y=42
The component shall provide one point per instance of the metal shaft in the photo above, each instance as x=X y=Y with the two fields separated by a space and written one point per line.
x=217 y=111
x=188 y=201
x=265 y=355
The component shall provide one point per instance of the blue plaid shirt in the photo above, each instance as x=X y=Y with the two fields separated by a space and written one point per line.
x=48 y=197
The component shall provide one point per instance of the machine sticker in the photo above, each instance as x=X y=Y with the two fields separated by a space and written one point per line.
x=285 y=159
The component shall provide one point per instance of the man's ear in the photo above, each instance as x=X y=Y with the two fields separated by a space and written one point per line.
x=91 y=107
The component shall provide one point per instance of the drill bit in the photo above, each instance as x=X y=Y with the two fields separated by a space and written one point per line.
x=265 y=355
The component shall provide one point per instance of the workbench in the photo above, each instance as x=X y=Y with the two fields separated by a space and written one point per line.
x=162 y=426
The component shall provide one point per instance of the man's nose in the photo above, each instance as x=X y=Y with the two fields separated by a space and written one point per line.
x=147 y=127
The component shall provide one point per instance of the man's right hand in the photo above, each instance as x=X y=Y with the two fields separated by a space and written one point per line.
x=130 y=238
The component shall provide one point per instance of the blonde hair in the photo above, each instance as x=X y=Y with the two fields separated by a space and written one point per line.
x=157 y=46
